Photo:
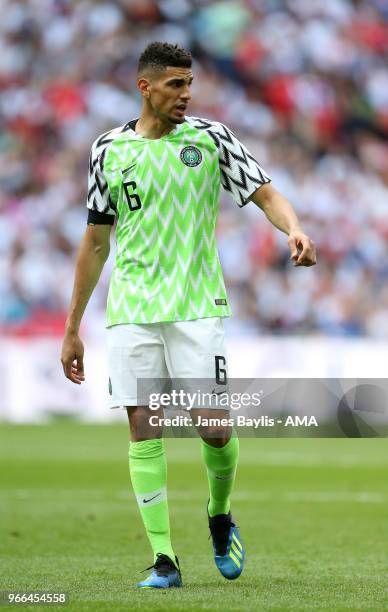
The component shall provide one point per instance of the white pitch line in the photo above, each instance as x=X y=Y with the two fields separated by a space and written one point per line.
x=98 y=496
x=290 y=459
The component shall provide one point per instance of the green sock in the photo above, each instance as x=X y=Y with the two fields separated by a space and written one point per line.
x=221 y=464
x=148 y=469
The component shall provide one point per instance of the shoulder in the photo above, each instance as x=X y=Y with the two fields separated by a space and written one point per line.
x=201 y=123
x=217 y=130
x=103 y=141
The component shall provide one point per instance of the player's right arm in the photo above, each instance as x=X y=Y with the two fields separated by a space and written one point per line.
x=92 y=255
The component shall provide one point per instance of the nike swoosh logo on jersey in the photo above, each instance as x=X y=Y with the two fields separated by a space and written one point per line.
x=145 y=501
x=129 y=168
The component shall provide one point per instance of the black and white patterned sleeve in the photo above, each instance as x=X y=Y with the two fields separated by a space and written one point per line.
x=241 y=175
x=99 y=202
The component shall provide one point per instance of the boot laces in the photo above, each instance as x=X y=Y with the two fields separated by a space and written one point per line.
x=162 y=566
x=219 y=531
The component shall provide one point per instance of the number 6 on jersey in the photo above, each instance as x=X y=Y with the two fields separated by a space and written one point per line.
x=133 y=199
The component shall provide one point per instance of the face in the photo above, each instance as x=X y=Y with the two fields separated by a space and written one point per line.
x=168 y=93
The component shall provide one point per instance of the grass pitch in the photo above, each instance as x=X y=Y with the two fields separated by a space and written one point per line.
x=313 y=515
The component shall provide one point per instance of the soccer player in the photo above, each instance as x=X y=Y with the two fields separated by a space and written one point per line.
x=158 y=178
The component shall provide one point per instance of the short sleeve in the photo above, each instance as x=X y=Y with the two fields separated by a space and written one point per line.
x=99 y=199
x=241 y=174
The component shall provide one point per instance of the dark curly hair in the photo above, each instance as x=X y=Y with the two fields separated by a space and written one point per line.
x=158 y=55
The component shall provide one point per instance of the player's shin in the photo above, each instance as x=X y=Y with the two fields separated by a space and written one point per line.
x=221 y=465
x=148 y=469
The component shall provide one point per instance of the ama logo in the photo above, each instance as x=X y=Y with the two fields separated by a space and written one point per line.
x=296 y=421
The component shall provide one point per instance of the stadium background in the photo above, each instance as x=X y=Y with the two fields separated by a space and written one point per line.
x=305 y=85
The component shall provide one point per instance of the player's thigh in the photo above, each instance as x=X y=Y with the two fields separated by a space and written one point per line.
x=196 y=349
x=196 y=355
x=135 y=355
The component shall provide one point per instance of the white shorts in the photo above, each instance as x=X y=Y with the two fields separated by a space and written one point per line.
x=180 y=349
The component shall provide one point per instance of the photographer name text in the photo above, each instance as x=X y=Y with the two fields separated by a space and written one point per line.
x=238 y=420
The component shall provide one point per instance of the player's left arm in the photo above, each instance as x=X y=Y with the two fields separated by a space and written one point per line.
x=281 y=214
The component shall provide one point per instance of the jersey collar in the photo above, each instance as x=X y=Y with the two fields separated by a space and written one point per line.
x=131 y=125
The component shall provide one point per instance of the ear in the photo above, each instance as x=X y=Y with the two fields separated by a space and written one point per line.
x=144 y=87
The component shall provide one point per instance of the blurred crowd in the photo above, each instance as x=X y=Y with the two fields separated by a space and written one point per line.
x=303 y=84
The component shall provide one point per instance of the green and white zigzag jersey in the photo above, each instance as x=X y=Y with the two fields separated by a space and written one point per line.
x=164 y=195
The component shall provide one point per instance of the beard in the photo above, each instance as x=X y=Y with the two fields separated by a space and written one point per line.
x=167 y=118
x=176 y=120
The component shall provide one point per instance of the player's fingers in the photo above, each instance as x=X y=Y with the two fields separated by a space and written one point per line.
x=77 y=369
x=311 y=258
x=308 y=256
x=66 y=364
x=80 y=365
x=292 y=245
x=306 y=264
x=307 y=251
x=74 y=377
x=68 y=369
x=77 y=374
x=77 y=379
x=304 y=244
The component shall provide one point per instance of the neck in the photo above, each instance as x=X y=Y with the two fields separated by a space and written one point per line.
x=152 y=127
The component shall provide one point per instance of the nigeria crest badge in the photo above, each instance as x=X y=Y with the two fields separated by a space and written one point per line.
x=191 y=156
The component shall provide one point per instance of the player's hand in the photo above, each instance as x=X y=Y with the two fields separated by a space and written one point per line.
x=302 y=249
x=72 y=358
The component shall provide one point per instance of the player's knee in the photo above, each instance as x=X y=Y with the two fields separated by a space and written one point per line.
x=216 y=435
x=141 y=427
